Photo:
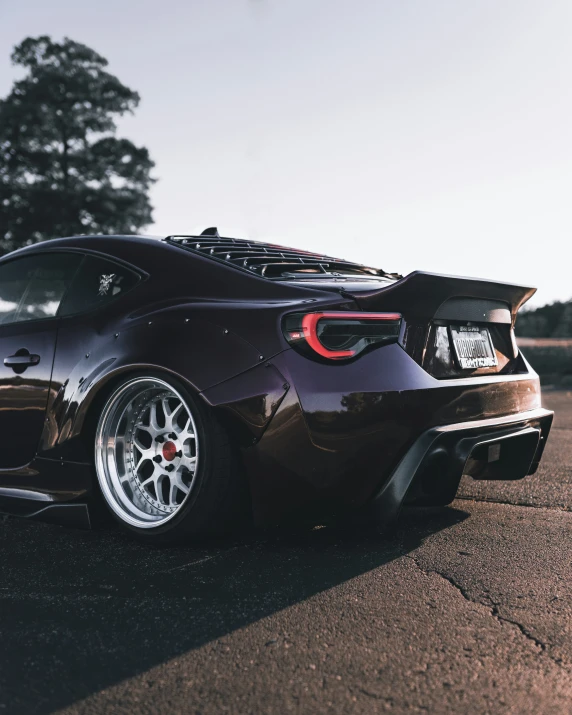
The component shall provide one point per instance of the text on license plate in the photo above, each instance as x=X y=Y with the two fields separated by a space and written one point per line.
x=473 y=347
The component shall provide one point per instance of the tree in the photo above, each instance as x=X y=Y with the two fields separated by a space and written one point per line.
x=552 y=320
x=62 y=169
x=564 y=327
x=540 y=322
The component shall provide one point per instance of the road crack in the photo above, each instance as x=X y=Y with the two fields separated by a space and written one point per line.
x=525 y=632
x=493 y=609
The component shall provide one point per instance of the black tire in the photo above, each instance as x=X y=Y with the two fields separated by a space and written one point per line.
x=218 y=499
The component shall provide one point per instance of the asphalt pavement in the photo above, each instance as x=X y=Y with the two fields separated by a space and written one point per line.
x=466 y=609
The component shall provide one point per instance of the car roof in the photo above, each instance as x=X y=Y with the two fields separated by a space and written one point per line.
x=264 y=260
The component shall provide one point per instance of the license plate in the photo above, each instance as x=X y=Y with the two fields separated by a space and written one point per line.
x=473 y=347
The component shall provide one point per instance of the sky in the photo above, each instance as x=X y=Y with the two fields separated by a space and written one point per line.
x=403 y=134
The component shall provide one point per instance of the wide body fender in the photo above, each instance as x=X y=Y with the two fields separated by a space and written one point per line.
x=90 y=359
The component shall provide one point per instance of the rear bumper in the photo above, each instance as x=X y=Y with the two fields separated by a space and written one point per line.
x=341 y=431
x=500 y=448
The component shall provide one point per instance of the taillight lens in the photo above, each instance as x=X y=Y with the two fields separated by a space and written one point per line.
x=340 y=335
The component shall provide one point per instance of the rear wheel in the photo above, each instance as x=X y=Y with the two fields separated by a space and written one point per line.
x=164 y=464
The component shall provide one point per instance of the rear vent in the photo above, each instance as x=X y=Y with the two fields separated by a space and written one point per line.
x=271 y=261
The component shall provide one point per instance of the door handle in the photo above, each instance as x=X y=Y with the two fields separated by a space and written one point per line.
x=21 y=360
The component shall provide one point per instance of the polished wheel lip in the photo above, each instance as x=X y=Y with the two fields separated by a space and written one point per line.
x=106 y=452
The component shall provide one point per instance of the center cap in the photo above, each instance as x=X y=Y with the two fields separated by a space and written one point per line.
x=169 y=451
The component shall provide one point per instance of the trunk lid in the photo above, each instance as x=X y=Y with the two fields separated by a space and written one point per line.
x=436 y=307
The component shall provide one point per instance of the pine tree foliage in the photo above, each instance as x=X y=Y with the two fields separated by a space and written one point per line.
x=549 y=321
x=62 y=169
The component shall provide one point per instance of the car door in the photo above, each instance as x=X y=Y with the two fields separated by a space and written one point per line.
x=31 y=289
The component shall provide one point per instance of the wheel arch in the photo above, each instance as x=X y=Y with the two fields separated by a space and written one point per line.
x=88 y=414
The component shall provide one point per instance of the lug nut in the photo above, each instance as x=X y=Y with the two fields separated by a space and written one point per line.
x=158 y=458
x=169 y=468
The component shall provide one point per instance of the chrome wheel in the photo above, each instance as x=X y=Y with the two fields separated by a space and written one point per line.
x=146 y=452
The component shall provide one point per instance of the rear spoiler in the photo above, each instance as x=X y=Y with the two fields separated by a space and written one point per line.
x=422 y=294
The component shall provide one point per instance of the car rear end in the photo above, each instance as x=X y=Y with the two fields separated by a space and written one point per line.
x=390 y=388
x=399 y=391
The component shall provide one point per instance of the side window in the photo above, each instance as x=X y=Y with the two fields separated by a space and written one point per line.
x=32 y=287
x=97 y=282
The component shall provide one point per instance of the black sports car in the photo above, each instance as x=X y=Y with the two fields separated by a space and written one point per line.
x=191 y=381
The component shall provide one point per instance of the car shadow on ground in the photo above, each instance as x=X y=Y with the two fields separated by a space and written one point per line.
x=82 y=611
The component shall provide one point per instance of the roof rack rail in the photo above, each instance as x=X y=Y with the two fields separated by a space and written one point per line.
x=272 y=261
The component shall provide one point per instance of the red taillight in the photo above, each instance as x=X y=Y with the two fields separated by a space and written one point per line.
x=340 y=335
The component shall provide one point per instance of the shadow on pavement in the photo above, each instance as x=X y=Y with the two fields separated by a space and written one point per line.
x=84 y=610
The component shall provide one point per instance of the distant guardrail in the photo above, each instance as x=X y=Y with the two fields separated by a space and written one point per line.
x=544 y=342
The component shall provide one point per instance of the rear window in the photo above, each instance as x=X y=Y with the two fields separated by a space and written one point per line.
x=97 y=282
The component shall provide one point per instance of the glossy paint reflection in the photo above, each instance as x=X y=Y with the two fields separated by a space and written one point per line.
x=24 y=392
x=315 y=437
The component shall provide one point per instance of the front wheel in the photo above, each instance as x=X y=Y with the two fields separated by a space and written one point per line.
x=164 y=464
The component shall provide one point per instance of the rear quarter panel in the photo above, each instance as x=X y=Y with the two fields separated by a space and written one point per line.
x=90 y=356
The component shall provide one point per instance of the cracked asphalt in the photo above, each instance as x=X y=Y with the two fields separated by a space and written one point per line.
x=466 y=609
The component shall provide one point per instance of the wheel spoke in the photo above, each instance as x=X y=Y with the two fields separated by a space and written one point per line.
x=171 y=416
x=158 y=480
x=153 y=421
x=151 y=478
x=190 y=463
x=141 y=427
x=173 y=493
x=187 y=428
x=137 y=442
x=145 y=453
x=144 y=458
x=181 y=484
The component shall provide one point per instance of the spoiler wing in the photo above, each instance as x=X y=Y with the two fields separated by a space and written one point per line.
x=421 y=295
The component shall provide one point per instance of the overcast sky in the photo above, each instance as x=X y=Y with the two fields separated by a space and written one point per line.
x=407 y=134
